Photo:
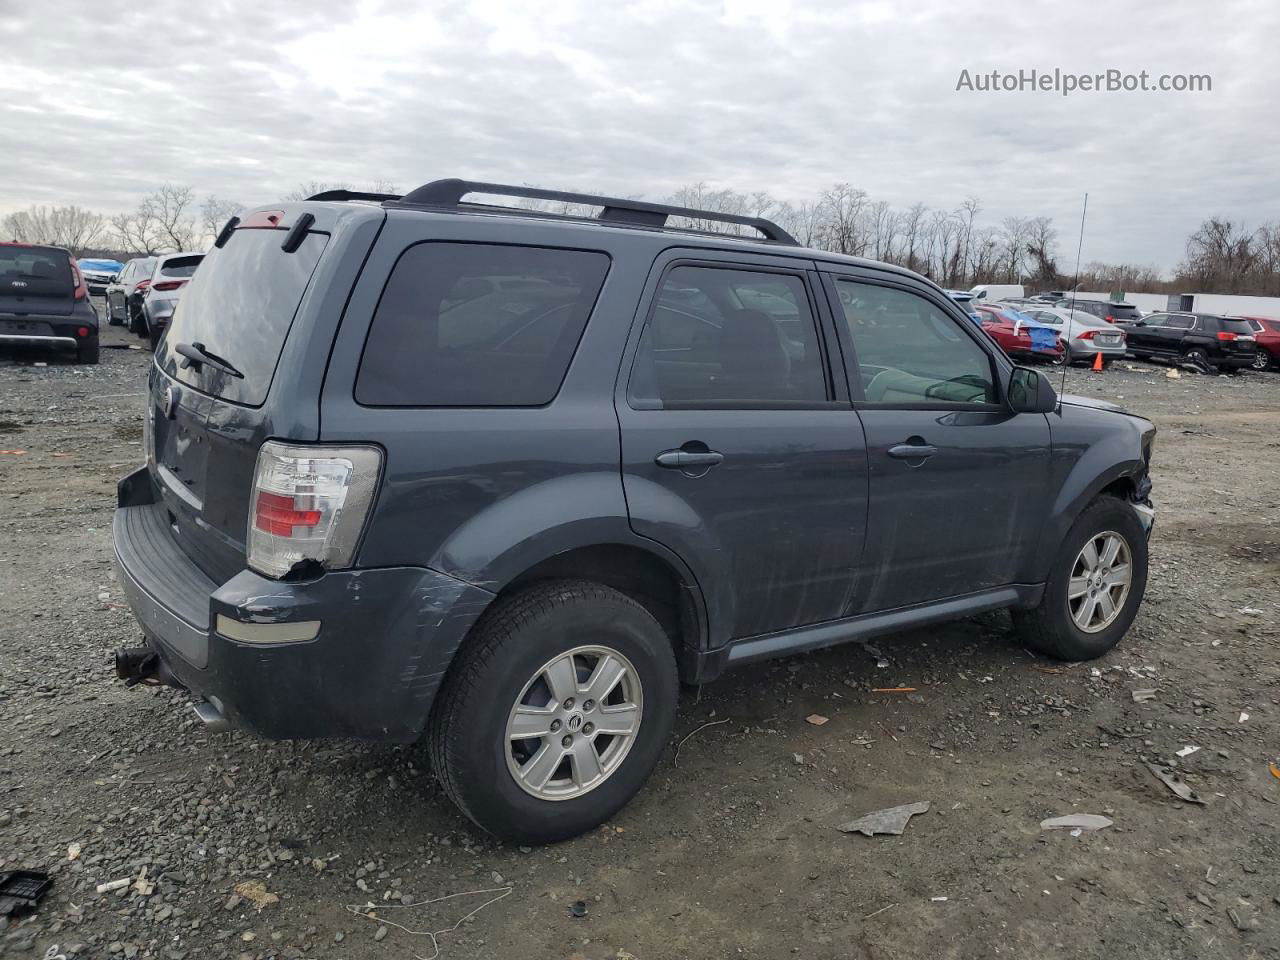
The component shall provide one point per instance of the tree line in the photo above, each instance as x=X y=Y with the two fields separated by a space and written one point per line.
x=956 y=248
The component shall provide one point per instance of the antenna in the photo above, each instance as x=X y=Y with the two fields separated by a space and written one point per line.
x=1075 y=285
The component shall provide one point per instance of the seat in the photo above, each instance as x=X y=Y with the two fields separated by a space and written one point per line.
x=753 y=360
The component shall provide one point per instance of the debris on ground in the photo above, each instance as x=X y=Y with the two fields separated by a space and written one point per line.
x=73 y=851
x=1243 y=717
x=1275 y=770
x=256 y=893
x=1077 y=821
x=112 y=885
x=816 y=719
x=578 y=909
x=1143 y=696
x=893 y=689
x=1170 y=779
x=891 y=820
x=1173 y=374
x=21 y=891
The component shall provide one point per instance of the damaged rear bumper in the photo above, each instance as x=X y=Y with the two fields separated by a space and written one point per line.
x=351 y=653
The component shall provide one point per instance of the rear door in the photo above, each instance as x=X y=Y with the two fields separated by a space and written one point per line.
x=958 y=481
x=35 y=281
x=739 y=451
x=1167 y=339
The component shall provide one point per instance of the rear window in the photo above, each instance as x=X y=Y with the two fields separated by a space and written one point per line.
x=240 y=305
x=34 y=272
x=181 y=266
x=1239 y=327
x=478 y=325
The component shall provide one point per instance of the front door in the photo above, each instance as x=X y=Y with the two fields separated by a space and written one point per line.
x=959 y=483
x=739 y=451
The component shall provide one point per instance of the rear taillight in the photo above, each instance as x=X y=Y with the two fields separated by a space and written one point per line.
x=1224 y=335
x=1087 y=335
x=81 y=291
x=309 y=503
x=142 y=286
x=168 y=285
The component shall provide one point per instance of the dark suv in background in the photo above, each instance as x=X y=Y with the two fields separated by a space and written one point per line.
x=422 y=465
x=44 y=301
x=1108 y=310
x=1207 y=340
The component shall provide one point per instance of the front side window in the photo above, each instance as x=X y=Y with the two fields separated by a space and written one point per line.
x=720 y=335
x=911 y=352
x=478 y=325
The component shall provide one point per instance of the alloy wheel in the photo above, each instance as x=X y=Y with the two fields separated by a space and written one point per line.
x=1100 y=581
x=574 y=723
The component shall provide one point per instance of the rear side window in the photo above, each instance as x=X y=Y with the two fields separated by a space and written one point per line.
x=240 y=305
x=34 y=272
x=1121 y=311
x=478 y=325
x=721 y=336
x=181 y=266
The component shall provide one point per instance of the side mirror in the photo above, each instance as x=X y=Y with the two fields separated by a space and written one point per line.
x=1031 y=392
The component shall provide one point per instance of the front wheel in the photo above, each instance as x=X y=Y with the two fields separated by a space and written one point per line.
x=555 y=712
x=1094 y=588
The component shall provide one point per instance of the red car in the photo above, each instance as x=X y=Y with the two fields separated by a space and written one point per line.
x=1012 y=331
x=1267 y=333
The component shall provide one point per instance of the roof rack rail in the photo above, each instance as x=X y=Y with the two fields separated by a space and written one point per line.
x=353 y=195
x=449 y=194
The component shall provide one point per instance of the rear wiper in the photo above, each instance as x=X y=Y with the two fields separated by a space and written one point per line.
x=195 y=354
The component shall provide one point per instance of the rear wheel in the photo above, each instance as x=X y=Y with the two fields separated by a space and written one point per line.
x=1094 y=588
x=112 y=318
x=1198 y=356
x=1261 y=360
x=555 y=712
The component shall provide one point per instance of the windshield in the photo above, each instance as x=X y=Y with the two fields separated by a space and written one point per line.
x=240 y=305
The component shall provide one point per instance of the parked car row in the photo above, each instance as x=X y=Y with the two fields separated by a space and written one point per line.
x=145 y=293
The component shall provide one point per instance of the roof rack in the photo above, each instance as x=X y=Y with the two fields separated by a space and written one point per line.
x=353 y=195
x=449 y=194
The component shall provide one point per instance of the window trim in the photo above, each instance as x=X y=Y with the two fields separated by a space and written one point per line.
x=801 y=272
x=386 y=283
x=857 y=392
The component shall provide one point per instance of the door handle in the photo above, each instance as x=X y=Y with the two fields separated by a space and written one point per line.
x=912 y=451
x=683 y=459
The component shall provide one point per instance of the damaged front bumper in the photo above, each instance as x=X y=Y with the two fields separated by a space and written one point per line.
x=1146 y=515
x=350 y=653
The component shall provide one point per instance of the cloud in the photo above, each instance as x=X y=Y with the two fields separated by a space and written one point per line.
x=246 y=99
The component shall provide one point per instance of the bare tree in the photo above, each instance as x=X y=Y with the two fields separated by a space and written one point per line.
x=171 y=209
x=72 y=227
x=309 y=188
x=1042 y=243
x=843 y=208
x=214 y=214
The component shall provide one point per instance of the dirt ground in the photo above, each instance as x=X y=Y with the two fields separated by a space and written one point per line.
x=732 y=849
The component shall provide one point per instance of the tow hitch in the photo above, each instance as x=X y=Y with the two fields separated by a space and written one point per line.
x=136 y=665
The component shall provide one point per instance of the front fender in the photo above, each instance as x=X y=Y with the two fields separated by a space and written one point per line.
x=1092 y=449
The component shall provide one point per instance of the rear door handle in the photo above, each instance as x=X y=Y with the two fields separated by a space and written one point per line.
x=683 y=459
x=912 y=451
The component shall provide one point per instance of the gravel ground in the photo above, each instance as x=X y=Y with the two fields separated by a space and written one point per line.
x=732 y=849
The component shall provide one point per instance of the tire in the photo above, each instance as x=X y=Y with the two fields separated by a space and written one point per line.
x=1199 y=357
x=88 y=352
x=504 y=663
x=112 y=319
x=1050 y=628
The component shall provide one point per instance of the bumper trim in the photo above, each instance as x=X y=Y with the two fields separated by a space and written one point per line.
x=34 y=338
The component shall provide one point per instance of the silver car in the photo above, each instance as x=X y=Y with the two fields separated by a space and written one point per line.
x=172 y=271
x=1085 y=335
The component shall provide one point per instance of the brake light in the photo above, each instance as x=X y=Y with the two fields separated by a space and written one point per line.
x=1224 y=335
x=310 y=503
x=81 y=291
x=142 y=285
x=82 y=331
x=1109 y=319
x=167 y=285
x=1087 y=335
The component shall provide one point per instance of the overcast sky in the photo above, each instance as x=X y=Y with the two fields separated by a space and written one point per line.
x=245 y=99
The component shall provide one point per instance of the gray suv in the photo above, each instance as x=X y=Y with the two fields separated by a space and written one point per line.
x=418 y=466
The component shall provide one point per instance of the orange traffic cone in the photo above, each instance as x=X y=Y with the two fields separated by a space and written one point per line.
x=1097 y=362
